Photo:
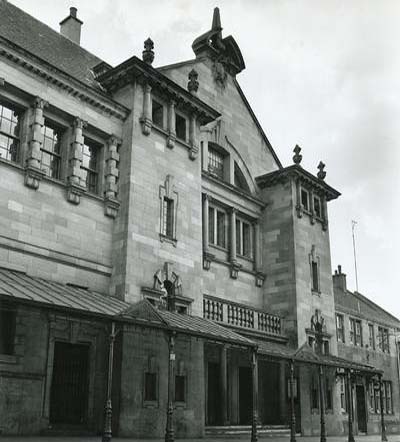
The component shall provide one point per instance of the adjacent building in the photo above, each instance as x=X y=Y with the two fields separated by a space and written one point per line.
x=161 y=272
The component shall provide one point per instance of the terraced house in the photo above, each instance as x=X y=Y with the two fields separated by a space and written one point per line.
x=161 y=272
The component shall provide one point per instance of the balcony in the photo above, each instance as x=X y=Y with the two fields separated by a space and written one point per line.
x=239 y=315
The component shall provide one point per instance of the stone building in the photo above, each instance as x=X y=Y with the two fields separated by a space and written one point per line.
x=161 y=272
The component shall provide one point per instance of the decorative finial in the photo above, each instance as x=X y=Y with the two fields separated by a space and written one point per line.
x=193 y=84
x=148 y=53
x=297 y=157
x=321 y=174
x=216 y=22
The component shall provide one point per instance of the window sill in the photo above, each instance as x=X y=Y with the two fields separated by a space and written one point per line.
x=15 y=165
x=150 y=404
x=316 y=292
x=215 y=246
x=168 y=239
x=245 y=258
x=180 y=405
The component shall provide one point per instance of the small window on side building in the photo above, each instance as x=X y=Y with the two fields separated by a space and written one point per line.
x=90 y=164
x=340 y=328
x=317 y=207
x=215 y=163
x=315 y=276
x=180 y=382
x=9 y=132
x=157 y=114
x=150 y=386
x=50 y=162
x=7 y=328
x=305 y=199
x=180 y=127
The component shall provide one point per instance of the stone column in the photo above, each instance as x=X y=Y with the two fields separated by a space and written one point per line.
x=146 y=118
x=349 y=399
x=324 y=213
x=383 y=427
x=312 y=208
x=322 y=403
x=292 y=409
x=107 y=434
x=33 y=172
x=76 y=186
x=194 y=148
x=224 y=385
x=204 y=151
x=169 y=430
x=299 y=207
x=207 y=256
x=254 y=415
x=111 y=175
x=235 y=266
x=260 y=276
x=171 y=125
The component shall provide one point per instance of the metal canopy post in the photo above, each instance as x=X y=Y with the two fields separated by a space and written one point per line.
x=254 y=416
x=322 y=403
x=383 y=428
x=107 y=433
x=169 y=430
x=292 y=410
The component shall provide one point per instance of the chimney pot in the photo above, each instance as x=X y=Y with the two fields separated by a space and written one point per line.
x=340 y=269
x=73 y=11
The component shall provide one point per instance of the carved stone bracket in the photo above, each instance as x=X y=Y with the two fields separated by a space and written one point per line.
x=234 y=269
x=33 y=175
x=74 y=193
x=111 y=207
x=207 y=259
x=260 y=278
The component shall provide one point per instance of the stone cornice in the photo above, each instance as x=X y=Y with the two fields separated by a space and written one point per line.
x=297 y=172
x=134 y=68
x=61 y=79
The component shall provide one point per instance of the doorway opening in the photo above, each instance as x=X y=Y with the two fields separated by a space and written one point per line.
x=245 y=395
x=361 y=409
x=69 y=388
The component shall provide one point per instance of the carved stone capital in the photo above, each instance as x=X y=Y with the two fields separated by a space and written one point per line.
x=193 y=152
x=39 y=103
x=33 y=176
x=114 y=140
x=171 y=140
x=79 y=123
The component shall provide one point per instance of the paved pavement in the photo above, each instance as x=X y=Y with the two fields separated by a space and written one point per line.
x=374 y=438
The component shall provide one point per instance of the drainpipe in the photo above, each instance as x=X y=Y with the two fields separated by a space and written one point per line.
x=107 y=434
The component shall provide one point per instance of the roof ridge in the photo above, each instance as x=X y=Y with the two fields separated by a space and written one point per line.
x=365 y=299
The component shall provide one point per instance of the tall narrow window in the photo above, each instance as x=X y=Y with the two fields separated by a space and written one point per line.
x=90 y=160
x=315 y=276
x=9 y=133
x=180 y=127
x=50 y=161
x=180 y=388
x=168 y=221
x=243 y=238
x=343 y=397
x=217 y=227
x=383 y=339
x=387 y=388
x=328 y=395
x=7 y=328
x=215 y=163
x=371 y=336
x=340 y=328
x=314 y=394
x=355 y=331
x=157 y=114
x=150 y=386
x=317 y=207
x=305 y=202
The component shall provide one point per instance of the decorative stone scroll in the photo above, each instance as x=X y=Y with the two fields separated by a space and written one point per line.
x=76 y=185
x=33 y=172
x=111 y=203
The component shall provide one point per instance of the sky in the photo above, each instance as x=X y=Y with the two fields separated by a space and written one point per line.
x=321 y=74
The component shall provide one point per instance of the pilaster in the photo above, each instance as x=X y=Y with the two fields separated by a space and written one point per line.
x=76 y=186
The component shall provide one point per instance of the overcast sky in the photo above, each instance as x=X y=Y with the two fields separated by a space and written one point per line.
x=322 y=74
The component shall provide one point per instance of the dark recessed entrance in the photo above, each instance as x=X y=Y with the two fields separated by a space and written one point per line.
x=245 y=395
x=361 y=409
x=69 y=388
x=213 y=394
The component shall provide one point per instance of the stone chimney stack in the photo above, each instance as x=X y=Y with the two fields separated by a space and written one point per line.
x=70 y=27
x=339 y=279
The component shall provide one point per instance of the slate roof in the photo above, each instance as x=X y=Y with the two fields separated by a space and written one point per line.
x=30 y=34
x=359 y=305
x=186 y=324
x=19 y=286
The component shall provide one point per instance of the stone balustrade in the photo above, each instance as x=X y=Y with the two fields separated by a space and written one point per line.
x=239 y=315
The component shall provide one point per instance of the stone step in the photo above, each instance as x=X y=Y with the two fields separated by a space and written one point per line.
x=245 y=430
